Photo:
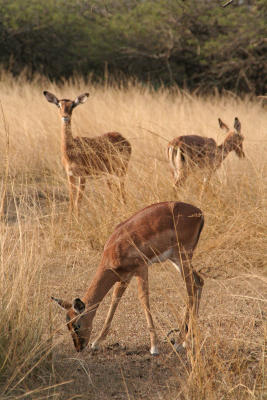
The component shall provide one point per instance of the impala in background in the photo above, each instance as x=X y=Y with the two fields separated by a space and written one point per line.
x=159 y=232
x=83 y=156
x=186 y=153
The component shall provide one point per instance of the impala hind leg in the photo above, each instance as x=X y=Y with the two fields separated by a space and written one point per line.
x=205 y=184
x=143 y=293
x=194 y=285
x=117 y=185
x=179 y=178
x=122 y=190
x=118 y=291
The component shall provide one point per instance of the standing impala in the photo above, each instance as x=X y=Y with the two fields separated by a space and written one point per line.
x=84 y=156
x=159 y=232
x=193 y=151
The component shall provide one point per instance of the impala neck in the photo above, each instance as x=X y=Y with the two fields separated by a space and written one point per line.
x=102 y=282
x=66 y=134
x=223 y=150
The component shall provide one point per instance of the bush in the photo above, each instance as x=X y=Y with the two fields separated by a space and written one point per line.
x=193 y=44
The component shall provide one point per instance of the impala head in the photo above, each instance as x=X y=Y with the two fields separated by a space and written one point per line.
x=79 y=323
x=234 y=139
x=65 y=106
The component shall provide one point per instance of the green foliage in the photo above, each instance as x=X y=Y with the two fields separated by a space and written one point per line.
x=195 y=43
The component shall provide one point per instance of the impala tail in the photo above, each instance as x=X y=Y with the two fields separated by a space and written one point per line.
x=176 y=156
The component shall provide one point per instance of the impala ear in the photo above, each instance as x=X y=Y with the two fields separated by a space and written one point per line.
x=80 y=99
x=223 y=125
x=62 y=303
x=78 y=306
x=51 y=97
x=237 y=125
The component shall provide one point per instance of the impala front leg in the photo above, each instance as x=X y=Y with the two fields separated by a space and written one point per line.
x=118 y=291
x=72 y=192
x=80 y=192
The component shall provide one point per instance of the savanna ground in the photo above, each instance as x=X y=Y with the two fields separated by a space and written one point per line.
x=42 y=254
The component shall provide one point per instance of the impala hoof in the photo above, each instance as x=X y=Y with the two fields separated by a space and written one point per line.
x=154 y=351
x=94 y=346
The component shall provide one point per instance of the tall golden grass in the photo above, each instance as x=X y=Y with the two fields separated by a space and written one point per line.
x=42 y=254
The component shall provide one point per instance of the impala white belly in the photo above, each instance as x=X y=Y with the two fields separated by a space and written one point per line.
x=177 y=266
x=161 y=257
x=166 y=255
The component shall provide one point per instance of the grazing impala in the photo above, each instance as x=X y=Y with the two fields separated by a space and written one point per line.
x=162 y=231
x=193 y=151
x=84 y=156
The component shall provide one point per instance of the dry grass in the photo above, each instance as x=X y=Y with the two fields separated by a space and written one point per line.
x=43 y=255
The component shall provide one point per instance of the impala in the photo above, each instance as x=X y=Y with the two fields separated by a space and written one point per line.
x=84 y=156
x=192 y=151
x=159 y=232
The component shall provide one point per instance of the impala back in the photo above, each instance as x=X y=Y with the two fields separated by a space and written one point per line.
x=192 y=150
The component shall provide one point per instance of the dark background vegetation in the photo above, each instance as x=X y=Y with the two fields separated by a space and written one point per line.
x=191 y=43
